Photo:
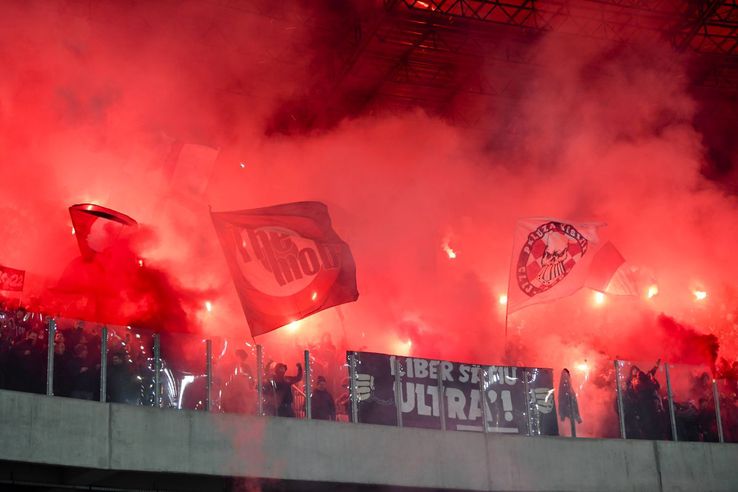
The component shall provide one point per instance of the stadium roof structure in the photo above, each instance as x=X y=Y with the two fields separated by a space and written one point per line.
x=447 y=56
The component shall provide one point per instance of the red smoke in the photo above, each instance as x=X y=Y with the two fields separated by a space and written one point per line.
x=116 y=286
x=95 y=97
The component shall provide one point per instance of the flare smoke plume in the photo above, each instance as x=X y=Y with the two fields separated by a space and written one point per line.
x=99 y=101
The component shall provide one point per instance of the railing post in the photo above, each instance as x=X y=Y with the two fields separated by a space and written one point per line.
x=441 y=397
x=50 y=357
x=208 y=374
x=104 y=364
x=157 y=371
x=352 y=388
x=398 y=392
x=308 y=387
x=528 y=404
x=483 y=375
x=259 y=380
x=716 y=397
x=619 y=391
x=670 y=397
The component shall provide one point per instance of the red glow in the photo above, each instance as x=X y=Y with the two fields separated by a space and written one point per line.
x=98 y=106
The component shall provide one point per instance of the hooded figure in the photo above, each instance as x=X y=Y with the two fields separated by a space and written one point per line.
x=568 y=405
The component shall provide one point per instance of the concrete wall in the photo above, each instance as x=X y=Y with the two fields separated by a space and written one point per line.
x=68 y=432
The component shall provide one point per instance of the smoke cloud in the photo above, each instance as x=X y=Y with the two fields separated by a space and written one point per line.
x=118 y=105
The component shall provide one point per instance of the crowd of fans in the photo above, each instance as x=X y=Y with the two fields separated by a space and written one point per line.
x=282 y=395
x=646 y=408
x=130 y=374
x=76 y=360
x=130 y=370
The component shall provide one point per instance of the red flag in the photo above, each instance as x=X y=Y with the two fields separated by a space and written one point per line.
x=286 y=261
x=11 y=279
x=554 y=258
x=97 y=228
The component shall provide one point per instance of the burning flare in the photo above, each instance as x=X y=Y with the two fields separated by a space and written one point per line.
x=449 y=252
x=599 y=298
x=653 y=290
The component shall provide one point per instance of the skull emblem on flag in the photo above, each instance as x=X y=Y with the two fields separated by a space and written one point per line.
x=549 y=254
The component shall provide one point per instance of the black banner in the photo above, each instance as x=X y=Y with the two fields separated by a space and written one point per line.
x=507 y=410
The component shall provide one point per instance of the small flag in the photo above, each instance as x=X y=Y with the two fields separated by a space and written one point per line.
x=12 y=279
x=97 y=228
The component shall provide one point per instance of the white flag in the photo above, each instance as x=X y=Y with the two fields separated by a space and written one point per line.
x=553 y=258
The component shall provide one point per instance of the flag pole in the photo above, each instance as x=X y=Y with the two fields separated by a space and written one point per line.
x=343 y=325
x=507 y=301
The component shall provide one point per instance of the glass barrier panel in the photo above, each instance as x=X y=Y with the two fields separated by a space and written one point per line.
x=130 y=366
x=283 y=387
x=342 y=390
x=234 y=377
x=7 y=339
x=77 y=352
x=327 y=370
x=728 y=391
x=645 y=406
x=23 y=351
x=694 y=405
x=299 y=399
x=541 y=401
x=183 y=374
x=323 y=400
x=269 y=394
x=585 y=391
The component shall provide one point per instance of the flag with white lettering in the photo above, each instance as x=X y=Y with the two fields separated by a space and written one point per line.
x=436 y=394
x=11 y=279
x=554 y=258
x=286 y=261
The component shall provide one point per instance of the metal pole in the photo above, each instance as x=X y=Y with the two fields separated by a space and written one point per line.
x=104 y=364
x=441 y=397
x=352 y=387
x=208 y=373
x=483 y=397
x=716 y=397
x=157 y=371
x=674 y=436
x=398 y=392
x=619 y=391
x=308 y=409
x=50 y=357
x=528 y=406
x=259 y=378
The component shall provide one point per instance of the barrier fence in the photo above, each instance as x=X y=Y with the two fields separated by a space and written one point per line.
x=122 y=364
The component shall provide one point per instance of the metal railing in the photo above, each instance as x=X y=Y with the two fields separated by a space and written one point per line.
x=673 y=410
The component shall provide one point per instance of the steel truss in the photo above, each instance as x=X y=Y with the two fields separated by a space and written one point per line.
x=710 y=27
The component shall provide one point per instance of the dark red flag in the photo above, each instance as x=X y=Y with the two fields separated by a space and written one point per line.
x=287 y=262
x=97 y=228
x=11 y=279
